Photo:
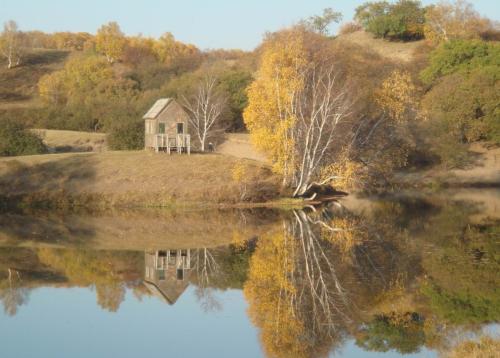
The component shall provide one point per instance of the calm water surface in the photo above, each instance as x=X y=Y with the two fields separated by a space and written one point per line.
x=384 y=277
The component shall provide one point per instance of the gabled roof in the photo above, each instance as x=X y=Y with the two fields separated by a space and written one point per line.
x=169 y=290
x=157 y=108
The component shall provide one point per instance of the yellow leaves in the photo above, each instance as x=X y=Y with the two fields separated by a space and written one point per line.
x=239 y=172
x=269 y=291
x=110 y=41
x=80 y=77
x=347 y=234
x=52 y=88
x=343 y=174
x=269 y=115
x=396 y=97
x=170 y=51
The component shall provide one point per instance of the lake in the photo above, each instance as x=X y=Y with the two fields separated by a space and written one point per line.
x=399 y=275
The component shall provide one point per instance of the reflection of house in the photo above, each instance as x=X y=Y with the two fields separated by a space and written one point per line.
x=166 y=273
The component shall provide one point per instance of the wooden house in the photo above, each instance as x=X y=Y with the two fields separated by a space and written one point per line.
x=166 y=127
x=166 y=273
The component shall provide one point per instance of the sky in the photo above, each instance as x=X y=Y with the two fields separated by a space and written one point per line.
x=207 y=24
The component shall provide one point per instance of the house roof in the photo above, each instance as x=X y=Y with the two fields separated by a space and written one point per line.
x=169 y=290
x=157 y=108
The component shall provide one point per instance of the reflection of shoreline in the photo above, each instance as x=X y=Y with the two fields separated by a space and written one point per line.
x=486 y=200
x=134 y=230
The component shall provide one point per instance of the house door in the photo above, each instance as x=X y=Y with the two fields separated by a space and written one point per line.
x=180 y=128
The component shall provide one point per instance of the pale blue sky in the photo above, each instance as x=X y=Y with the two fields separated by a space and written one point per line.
x=205 y=23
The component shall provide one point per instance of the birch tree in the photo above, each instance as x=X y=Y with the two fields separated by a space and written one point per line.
x=269 y=116
x=453 y=20
x=205 y=107
x=110 y=41
x=297 y=108
x=11 y=44
x=320 y=108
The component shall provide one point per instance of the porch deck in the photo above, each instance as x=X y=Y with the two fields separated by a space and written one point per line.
x=181 y=143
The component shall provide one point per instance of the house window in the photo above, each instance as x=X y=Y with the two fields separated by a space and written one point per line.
x=161 y=128
x=180 y=128
x=161 y=275
x=180 y=274
x=150 y=127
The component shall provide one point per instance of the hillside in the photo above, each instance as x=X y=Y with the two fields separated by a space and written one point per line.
x=133 y=178
x=19 y=85
x=395 y=51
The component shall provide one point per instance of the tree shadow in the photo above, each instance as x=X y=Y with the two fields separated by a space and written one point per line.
x=65 y=175
x=45 y=57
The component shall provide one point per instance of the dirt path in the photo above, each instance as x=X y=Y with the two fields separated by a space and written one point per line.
x=239 y=145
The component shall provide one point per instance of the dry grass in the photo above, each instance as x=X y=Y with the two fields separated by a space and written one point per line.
x=132 y=178
x=483 y=173
x=395 y=51
x=239 y=145
x=72 y=141
x=486 y=347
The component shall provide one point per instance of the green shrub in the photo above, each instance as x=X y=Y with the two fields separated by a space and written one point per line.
x=467 y=104
x=460 y=55
x=403 y=20
x=15 y=139
x=126 y=135
x=462 y=307
x=401 y=332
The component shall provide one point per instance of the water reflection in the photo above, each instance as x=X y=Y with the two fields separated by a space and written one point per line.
x=401 y=275
x=166 y=273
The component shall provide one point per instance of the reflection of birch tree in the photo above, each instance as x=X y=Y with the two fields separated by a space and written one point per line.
x=295 y=292
x=327 y=296
x=206 y=269
x=311 y=283
x=13 y=295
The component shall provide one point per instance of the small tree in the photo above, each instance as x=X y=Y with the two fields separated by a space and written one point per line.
x=454 y=20
x=403 y=20
x=110 y=41
x=320 y=23
x=11 y=44
x=205 y=109
x=396 y=97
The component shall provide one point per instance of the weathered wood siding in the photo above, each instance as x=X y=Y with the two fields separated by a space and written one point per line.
x=170 y=116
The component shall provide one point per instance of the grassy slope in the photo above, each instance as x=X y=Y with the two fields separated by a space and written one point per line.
x=19 y=85
x=72 y=141
x=135 y=177
x=395 y=51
